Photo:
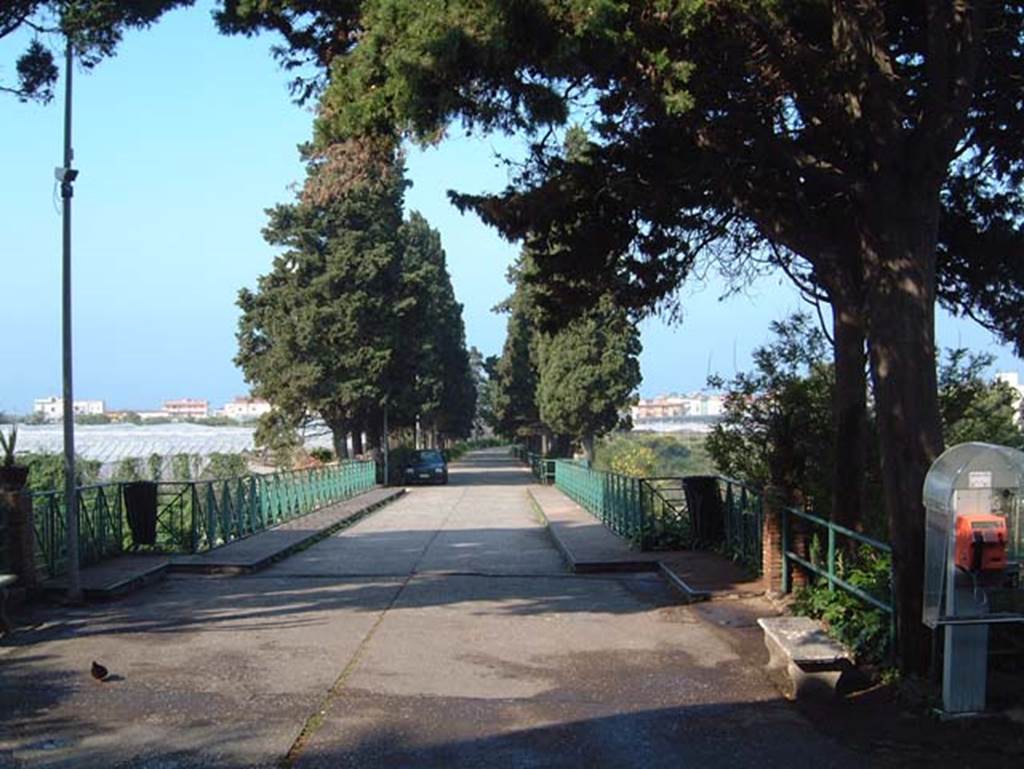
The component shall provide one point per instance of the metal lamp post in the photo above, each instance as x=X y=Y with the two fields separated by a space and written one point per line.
x=66 y=176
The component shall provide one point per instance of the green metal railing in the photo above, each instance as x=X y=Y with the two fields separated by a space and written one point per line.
x=614 y=499
x=666 y=514
x=655 y=514
x=191 y=516
x=743 y=516
x=810 y=561
x=543 y=469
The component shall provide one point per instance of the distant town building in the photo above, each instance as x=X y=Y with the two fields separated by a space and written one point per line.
x=52 y=409
x=246 y=409
x=696 y=412
x=1012 y=379
x=187 y=408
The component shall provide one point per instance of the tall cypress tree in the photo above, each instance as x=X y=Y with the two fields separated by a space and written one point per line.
x=514 y=387
x=317 y=337
x=588 y=373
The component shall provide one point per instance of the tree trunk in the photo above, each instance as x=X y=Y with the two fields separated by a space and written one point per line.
x=587 y=442
x=849 y=404
x=899 y=254
x=339 y=437
x=357 y=441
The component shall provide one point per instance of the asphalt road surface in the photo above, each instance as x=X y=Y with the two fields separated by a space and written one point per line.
x=442 y=631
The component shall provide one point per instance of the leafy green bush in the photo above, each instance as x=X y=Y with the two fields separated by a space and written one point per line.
x=46 y=471
x=127 y=470
x=640 y=454
x=858 y=625
x=220 y=465
x=322 y=454
x=637 y=461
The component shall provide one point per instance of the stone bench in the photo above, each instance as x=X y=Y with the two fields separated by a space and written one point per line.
x=6 y=581
x=802 y=658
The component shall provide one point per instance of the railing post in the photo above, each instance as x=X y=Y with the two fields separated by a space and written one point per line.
x=643 y=512
x=254 y=508
x=215 y=522
x=831 y=558
x=741 y=520
x=210 y=534
x=786 y=568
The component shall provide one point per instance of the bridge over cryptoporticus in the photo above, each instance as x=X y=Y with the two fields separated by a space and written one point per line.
x=442 y=630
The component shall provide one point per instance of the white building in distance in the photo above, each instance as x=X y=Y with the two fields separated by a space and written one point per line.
x=187 y=408
x=1012 y=380
x=52 y=409
x=695 y=412
x=246 y=409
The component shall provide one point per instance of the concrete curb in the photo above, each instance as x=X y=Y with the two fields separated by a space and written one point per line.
x=235 y=569
x=112 y=590
x=689 y=594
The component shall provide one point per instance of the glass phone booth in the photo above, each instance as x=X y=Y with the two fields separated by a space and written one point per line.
x=974 y=498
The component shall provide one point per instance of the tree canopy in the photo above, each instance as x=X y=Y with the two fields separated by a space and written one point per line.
x=588 y=373
x=357 y=315
x=872 y=141
x=572 y=383
x=433 y=341
x=514 y=383
x=94 y=27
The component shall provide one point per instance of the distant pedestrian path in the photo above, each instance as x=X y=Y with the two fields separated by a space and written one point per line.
x=444 y=630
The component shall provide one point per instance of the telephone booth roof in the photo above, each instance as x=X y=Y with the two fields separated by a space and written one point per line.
x=969 y=465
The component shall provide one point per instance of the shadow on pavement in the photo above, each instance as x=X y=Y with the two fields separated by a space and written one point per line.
x=742 y=734
x=209 y=604
x=475 y=474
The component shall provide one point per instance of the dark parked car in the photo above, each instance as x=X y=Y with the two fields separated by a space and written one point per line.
x=426 y=466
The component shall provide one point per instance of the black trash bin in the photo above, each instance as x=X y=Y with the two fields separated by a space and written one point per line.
x=140 y=505
x=705 y=505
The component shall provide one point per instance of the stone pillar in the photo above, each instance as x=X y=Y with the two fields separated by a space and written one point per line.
x=21 y=537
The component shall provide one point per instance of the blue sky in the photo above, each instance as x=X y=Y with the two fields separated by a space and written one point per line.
x=183 y=139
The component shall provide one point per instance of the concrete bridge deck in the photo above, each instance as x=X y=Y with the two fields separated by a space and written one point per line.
x=442 y=631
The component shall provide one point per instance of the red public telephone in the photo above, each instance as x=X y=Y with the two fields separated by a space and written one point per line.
x=981 y=542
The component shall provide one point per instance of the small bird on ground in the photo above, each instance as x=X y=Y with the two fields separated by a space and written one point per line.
x=98 y=671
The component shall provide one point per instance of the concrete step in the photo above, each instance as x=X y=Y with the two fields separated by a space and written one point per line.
x=589 y=547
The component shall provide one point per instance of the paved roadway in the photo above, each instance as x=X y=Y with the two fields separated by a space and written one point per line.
x=442 y=632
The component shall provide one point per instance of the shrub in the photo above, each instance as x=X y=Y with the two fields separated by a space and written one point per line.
x=850 y=620
x=321 y=454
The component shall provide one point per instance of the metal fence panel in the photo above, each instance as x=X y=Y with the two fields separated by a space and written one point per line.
x=192 y=516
